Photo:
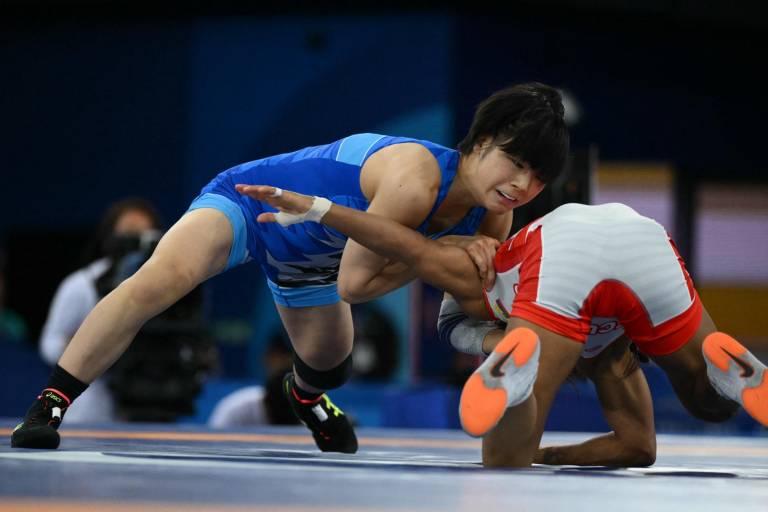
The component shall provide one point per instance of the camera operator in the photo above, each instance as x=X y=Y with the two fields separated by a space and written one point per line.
x=78 y=293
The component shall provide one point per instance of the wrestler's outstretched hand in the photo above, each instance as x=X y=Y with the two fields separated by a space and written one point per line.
x=284 y=200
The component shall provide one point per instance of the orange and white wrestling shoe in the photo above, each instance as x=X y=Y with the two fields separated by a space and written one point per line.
x=505 y=379
x=736 y=374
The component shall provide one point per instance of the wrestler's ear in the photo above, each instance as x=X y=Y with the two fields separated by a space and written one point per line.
x=482 y=146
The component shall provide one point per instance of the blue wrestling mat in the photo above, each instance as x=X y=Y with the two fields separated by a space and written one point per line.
x=131 y=467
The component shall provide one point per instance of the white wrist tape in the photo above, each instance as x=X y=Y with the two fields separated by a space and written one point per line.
x=463 y=333
x=468 y=335
x=319 y=208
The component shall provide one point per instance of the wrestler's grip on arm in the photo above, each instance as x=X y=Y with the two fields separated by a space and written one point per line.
x=482 y=250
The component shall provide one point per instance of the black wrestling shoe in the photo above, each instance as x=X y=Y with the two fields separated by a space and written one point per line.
x=329 y=425
x=38 y=430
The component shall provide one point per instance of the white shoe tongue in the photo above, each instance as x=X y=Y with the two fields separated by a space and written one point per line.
x=320 y=413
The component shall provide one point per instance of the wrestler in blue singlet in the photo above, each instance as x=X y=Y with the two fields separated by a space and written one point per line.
x=302 y=260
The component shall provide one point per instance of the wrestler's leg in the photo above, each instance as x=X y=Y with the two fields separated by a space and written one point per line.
x=322 y=339
x=713 y=395
x=514 y=440
x=195 y=248
x=321 y=336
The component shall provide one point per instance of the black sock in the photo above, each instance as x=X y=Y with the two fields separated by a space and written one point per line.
x=305 y=395
x=64 y=382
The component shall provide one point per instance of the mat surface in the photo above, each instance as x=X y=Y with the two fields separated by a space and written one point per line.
x=166 y=468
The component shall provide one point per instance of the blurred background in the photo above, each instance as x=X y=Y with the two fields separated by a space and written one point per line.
x=103 y=100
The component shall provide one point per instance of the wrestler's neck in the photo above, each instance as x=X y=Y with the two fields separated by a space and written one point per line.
x=461 y=194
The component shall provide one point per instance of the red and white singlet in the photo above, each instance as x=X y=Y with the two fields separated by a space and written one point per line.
x=593 y=273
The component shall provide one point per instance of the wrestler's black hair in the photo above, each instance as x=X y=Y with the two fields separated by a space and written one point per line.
x=527 y=122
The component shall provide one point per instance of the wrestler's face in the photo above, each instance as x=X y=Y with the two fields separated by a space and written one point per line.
x=502 y=182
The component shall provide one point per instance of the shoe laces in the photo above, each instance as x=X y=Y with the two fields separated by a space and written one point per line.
x=331 y=406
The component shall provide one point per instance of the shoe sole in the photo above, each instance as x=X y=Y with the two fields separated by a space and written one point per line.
x=323 y=442
x=754 y=399
x=481 y=407
x=40 y=437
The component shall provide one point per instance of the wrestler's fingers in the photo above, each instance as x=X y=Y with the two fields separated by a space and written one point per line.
x=479 y=261
x=490 y=278
x=260 y=192
x=266 y=217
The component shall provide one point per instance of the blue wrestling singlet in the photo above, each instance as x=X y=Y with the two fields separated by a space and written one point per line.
x=302 y=260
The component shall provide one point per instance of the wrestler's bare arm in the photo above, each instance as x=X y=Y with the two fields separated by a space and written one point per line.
x=445 y=266
x=401 y=183
x=627 y=407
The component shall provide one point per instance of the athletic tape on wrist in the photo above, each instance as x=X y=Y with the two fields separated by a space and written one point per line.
x=463 y=333
x=319 y=208
x=469 y=334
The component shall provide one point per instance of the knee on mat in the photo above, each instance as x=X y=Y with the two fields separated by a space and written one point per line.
x=506 y=460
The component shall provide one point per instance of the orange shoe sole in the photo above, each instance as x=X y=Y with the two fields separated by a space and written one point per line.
x=717 y=347
x=481 y=407
x=756 y=401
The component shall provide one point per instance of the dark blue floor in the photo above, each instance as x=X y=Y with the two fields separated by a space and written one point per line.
x=152 y=467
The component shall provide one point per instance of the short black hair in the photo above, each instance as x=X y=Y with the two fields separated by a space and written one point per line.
x=525 y=121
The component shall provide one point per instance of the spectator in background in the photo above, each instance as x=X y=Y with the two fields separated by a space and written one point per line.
x=12 y=326
x=376 y=344
x=79 y=293
x=260 y=405
x=376 y=357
